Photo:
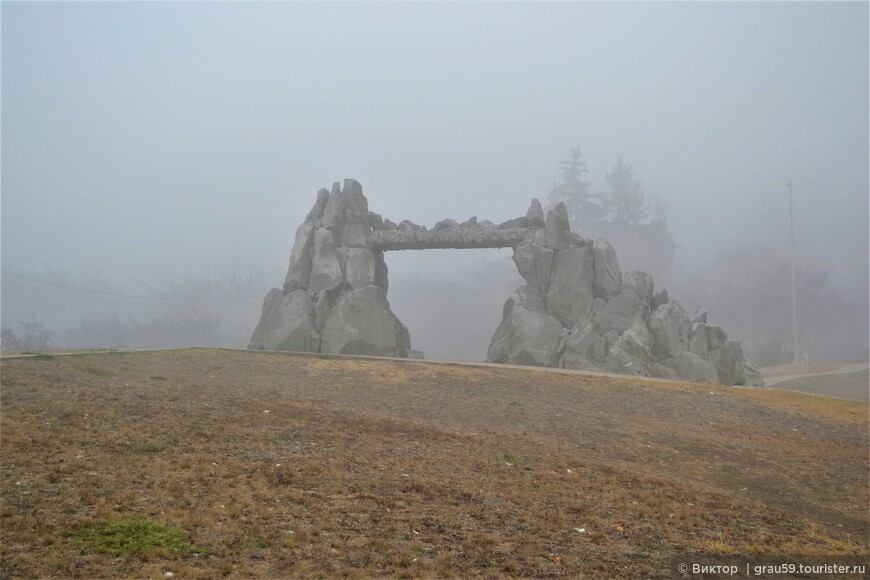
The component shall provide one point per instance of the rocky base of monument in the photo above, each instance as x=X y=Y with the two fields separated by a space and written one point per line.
x=334 y=298
x=579 y=311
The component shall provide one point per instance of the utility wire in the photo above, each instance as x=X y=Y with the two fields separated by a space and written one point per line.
x=146 y=299
x=5 y=273
x=7 y=283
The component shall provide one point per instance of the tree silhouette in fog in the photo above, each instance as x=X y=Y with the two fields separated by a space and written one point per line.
x=624 y=203
x=33 y=336
x=620 y=213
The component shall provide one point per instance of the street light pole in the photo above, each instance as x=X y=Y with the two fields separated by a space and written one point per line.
x=794 y=339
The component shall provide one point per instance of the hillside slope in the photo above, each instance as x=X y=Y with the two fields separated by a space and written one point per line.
x=283 y=465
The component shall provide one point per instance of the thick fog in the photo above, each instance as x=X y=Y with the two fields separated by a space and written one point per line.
x=158 y=157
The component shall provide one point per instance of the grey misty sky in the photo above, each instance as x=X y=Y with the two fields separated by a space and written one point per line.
x=140 y=137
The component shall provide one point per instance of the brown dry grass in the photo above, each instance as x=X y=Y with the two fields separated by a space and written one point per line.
x=811 y=404
x=277 y=466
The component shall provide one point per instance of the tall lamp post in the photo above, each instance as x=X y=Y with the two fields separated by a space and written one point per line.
x=794 y=340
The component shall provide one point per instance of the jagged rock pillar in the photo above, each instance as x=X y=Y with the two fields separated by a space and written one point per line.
x=334 y=298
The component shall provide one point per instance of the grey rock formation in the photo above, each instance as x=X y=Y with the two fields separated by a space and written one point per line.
x=317 y=211
x=410 y=226
x=346 y=215
x=690 y=367
x=706 y=338
x=660 y=371
x=381 y=271
x=359 y=268
x=698 y=342
x=376 y=222
x=683 y=321
x=290 y=324
x=520 y=222
x=335 y=286
x=575 y=241
x=533 y=263
x=729 y=361
x=527 y=335
x=670 y=328
x=322 y=305
x=326 y=271
x=659 y=299
x=408 y=353
x=535 y=213
x=361 y=322
x=619 y=314
x=446 y=224
x=272 y=297
x=613 y=321
x=356 y=235
x=332 y=215
x=407 y=237
x=577 y=309
x=751 y=375
x=640 y=283
x=716 y=337
x=557 y=228
x=608 y=275
x=584 y=348
x=570 y=295
x=534 y=218
x=631 y=353
x=300 y=259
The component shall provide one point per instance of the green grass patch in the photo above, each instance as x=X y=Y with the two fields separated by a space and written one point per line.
x=95 y=371
x=147 y=448
x=255 y=544
x=12 y=383
x=510 y=457
x=40 y=356
x=130 y=537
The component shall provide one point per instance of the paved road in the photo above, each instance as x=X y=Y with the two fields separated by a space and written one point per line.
x=847 y=369
x=847 y=382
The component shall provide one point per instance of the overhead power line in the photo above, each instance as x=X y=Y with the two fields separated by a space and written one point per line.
x=71 y=296
x=96 y=293
x=5 y=273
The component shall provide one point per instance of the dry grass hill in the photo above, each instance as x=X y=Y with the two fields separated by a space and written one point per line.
x=208 y=463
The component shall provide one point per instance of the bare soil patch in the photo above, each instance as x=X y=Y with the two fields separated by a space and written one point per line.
x=279 y=465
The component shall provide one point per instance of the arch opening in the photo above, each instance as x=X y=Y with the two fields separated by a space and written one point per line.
x=451 y=300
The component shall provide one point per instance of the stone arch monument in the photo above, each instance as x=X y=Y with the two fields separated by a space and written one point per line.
x=576 y=310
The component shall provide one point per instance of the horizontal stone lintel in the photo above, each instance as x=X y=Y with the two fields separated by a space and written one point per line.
x=452 y=238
